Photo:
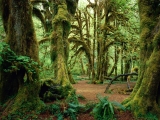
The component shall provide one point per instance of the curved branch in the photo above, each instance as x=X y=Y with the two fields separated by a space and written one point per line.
x=107 y=45
x=84 y=47
x=127 y=74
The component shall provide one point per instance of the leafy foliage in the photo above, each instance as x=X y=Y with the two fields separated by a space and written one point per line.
x=89 y=106
x=55 y=110
x=149 y=116
x=12 y=62
x=63 y=109
x=104 y=110
x=72 y=110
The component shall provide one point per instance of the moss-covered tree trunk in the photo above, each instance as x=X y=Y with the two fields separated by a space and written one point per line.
x=22 y=40
x=59 y=42
x=61 y=72
x=145 y=97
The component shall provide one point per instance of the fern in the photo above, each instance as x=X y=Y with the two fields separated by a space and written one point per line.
x=104 y=110
x=54 y=108
x=89 y=106
x=72 y=110
x=118 y=105
x=149 y=116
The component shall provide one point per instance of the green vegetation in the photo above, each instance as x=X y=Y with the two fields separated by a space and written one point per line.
x=46 y=46
x=104 y=110
x=7 y=56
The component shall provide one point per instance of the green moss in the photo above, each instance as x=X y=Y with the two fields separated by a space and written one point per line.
x=147 y=22
x=66 y=50
x=60 y=53
x=26 y=102
x=53 y=91
x=144 y=34
x=62 y=15
x=156 y=41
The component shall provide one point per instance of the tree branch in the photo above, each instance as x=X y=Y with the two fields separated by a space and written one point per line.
x=127 y=74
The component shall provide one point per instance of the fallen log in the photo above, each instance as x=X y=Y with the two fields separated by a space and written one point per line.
x=127 y=74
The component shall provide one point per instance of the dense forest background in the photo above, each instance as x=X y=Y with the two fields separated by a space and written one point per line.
x=96 y=39
x=90 y=48
x=46 y=46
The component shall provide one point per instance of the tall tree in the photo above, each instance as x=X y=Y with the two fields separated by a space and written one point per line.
x=63 y=9
x=21 y=83
x=146 y=95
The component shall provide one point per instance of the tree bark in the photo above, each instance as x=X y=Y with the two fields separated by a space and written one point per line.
x=22 y=40
x=144 y=97
x=60 y=46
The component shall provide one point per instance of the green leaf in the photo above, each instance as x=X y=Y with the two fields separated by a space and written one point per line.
x=117 y=104
x=105 y=104
x=111 y=108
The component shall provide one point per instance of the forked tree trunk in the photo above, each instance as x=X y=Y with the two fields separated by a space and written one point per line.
x=145 y=97
x=22 y=40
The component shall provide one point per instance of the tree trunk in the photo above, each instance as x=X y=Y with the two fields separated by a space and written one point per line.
x=22 y=40
x=144 y=98
x=116 y=61
x=60 y=46
x=127 y=67
x=122 y=66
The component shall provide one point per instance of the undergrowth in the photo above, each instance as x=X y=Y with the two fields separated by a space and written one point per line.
x=68 y=108
x=104 y=110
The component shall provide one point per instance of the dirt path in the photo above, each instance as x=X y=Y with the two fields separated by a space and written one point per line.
x=90 y=91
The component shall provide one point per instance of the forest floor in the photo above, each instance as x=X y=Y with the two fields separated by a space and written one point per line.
x=116 y=93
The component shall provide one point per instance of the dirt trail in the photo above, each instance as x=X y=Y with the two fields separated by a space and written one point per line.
x=90 y=91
